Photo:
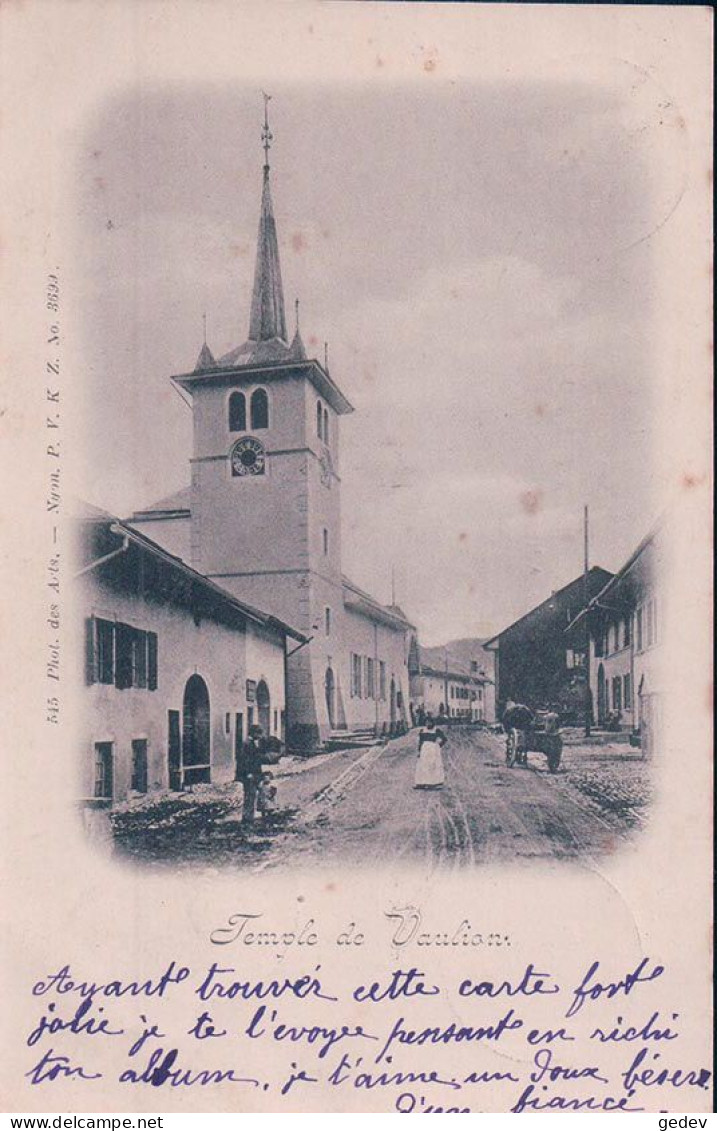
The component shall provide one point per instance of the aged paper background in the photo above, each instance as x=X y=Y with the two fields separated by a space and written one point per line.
x=64 y=904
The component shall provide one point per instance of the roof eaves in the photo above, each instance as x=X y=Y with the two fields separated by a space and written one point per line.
x=537 y=608
x=251 y=613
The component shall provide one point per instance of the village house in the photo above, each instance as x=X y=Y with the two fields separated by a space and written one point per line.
x=454 y=691
x=535 y=663
x=625 y=621
x=177 y=669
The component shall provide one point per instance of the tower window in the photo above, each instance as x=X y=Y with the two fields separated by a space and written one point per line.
x=326 y=542
x=237 y=412
x=326 y=426
x=259 y=409
x=319 y=420
x=327 y=621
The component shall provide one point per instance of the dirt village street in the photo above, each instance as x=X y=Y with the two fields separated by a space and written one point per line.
x=359 y=808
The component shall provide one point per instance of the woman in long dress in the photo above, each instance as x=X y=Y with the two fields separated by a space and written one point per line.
x=429 y=768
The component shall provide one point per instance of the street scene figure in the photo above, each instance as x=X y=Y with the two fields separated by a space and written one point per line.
x=266 y=795
x=430 y=773
x=251 y=771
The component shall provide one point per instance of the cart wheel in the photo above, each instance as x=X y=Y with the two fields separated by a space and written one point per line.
x=511 y=746
x=555 y=753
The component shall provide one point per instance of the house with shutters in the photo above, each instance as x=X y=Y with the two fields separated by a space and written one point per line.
x=536 y=662
x=176 y=668
x=626 y=628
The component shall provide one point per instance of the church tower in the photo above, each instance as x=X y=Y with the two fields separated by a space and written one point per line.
x=265 y=484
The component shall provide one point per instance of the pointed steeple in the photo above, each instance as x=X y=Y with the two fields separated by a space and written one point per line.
x=205 y=359
x=298 y=353
x=268 y=319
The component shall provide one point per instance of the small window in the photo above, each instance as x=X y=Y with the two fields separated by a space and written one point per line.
x=259 y=409
x=103 y=770
x=326 y=426
x=356 y=676
x=319 y=420
x=638 y=629
x=626 y=632
x=627 y=692
x=382 y=679
x=237 y=412
x=139 y=765
x=326 y=541
x=327 y=621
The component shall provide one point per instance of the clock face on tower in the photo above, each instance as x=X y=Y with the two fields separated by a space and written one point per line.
x=248 y=457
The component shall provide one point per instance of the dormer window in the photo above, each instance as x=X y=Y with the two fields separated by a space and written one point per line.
x=237 y=412
x=259 y=410
x=319 y=420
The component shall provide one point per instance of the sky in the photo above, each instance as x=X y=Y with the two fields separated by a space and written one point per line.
x=478 y=258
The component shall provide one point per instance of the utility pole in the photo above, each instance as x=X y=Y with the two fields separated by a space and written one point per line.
x=376 y=680
x=586 y=602
x=445 y=685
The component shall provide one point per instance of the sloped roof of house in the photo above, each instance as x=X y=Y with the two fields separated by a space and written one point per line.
x=204 y=584
x=361 y=602
x=615 y=581
x=597 y=577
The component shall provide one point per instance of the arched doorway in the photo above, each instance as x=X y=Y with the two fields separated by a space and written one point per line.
x=196 y=754
x=263 y=706
x=602 y=705
x=330 y=688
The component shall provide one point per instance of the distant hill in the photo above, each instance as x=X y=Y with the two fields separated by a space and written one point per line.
x=460 y=654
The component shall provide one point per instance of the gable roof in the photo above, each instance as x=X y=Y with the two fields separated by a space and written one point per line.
x=361 y=602
x=597 y=578
x=203 y=584
x=618 y=577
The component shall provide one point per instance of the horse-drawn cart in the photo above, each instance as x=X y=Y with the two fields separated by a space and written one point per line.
x=527 y=731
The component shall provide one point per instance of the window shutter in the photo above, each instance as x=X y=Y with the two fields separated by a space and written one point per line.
x=139 y=658
x=152 y=661
x=90 y=652
x=123 y=665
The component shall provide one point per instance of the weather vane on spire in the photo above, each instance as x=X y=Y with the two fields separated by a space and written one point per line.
x=266 y=135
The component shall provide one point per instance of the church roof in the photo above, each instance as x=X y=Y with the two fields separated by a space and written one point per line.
x=359 y=601
x=262 y=352
x=178 y=503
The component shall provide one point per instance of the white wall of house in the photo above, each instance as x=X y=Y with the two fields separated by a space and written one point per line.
x=223 y=656
x=467 y=699
x=374 y=643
